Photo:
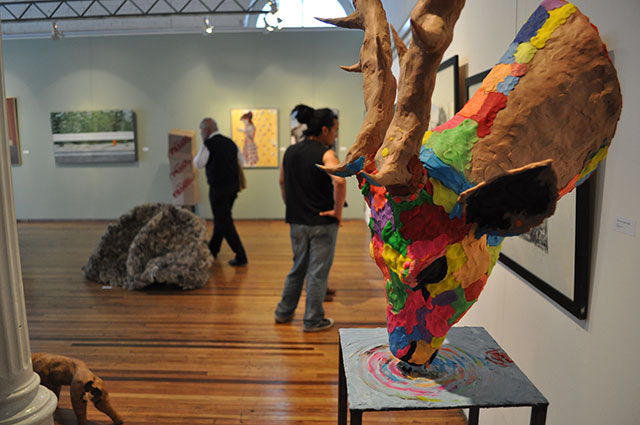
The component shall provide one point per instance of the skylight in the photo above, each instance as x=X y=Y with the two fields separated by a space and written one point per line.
x=302 y=13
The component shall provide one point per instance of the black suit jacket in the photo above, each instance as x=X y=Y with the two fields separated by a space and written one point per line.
x=222 y=166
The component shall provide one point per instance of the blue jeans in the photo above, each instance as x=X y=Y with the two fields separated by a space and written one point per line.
x=313 y=249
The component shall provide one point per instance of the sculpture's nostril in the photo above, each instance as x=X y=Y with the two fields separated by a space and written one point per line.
x=409 y=354
x=425 y=293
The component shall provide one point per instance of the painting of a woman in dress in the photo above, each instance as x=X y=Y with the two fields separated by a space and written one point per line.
x=249 y=150
x=255 y=132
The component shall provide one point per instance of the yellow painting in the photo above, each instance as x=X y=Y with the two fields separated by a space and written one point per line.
x=255 y=131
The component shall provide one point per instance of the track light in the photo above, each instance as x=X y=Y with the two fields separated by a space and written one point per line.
x=271 y=20
x=56 y=34
x=208 y=26
x=277 y=25
x=274 y=7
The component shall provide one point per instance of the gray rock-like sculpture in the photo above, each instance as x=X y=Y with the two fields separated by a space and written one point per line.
x=153 y=243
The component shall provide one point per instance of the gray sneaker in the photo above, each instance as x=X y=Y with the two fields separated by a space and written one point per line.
x=325 y=323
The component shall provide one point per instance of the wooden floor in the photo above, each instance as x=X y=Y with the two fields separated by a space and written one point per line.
x=207 y=356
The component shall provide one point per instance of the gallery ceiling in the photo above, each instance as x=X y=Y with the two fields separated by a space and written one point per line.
x=79 y=18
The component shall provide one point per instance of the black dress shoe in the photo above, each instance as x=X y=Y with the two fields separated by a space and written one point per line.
x=235 y=262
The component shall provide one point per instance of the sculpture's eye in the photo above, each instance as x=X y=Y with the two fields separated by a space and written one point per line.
x=432 y=274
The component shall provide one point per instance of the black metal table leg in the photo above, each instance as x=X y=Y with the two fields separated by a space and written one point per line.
x=474 y=415
x=539 y=414
x=356 y=417
x=342 y=391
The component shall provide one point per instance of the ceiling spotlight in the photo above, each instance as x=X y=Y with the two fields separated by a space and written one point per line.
x=270 y=25
x=273 y=5
x=208 y=26
x=272 y=19
x=56 y=34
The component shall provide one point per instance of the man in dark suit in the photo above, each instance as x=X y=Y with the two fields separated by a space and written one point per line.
x=220 y=158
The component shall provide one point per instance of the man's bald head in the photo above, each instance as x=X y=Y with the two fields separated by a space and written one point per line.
x=208 y=126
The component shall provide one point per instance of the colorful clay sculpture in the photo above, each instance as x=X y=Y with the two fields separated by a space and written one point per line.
x=443 y=200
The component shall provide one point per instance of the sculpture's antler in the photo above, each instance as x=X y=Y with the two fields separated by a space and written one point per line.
x=432 y=23
x=379 y=84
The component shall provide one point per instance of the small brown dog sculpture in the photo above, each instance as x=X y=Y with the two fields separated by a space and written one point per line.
x=56 y=371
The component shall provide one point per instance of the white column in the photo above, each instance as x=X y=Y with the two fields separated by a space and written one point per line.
x=23 y=401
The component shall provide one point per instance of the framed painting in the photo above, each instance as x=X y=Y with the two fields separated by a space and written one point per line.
x=473 y=83
x=445 y=101
x=86 y=137
x=555 y=257
x=14 y=135
x=255 y=131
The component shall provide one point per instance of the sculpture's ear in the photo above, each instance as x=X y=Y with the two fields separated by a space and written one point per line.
x=514 y=202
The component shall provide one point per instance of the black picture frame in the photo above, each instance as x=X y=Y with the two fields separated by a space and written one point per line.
x=445 y=99
x=583 y=215
x=472 y=83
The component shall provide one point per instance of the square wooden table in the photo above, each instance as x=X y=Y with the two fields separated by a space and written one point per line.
x=470 y=371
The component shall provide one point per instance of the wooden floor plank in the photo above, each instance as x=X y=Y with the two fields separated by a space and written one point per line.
x=208 y=356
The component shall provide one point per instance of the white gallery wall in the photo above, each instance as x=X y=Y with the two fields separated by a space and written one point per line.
x=170 y=81
x=586 y=369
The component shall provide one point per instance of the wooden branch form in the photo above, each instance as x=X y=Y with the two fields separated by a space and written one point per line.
x=397 y=162
x=379 y=84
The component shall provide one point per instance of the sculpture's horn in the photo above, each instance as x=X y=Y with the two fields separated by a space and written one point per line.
x=379 y=84
x=432 y=24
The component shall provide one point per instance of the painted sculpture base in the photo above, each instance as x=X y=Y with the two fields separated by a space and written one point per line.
x=470 y=371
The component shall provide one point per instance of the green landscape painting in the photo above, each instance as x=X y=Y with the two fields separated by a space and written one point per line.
x=94 y=137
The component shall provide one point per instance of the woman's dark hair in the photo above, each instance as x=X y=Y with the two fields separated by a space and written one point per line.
x=248 y=116
x=320 y=118
x=303 y=113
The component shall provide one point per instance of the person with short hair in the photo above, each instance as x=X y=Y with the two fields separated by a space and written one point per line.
x=219 y=156
x=314 y=202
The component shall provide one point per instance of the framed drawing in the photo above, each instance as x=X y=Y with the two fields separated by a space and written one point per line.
x=445 y=101
x=296 y=129
x=555 y=257
x=14 y=135
x=86 y=137
x=473 y=83
x=255 y=131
